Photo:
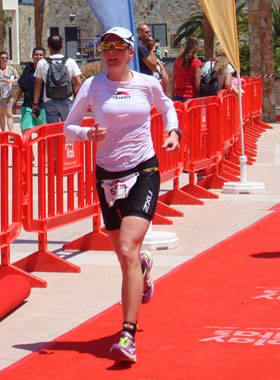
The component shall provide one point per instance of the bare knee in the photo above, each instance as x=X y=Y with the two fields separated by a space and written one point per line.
x=128 y=257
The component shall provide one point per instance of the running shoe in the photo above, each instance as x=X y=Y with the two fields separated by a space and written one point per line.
x=125 y=350
x=146 y=264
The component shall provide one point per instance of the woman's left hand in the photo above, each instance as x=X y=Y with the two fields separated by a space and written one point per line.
x=171 y=144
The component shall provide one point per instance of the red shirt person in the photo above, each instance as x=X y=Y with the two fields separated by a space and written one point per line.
x=186 y=73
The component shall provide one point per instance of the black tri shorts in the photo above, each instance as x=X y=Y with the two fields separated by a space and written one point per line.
x=141 y=200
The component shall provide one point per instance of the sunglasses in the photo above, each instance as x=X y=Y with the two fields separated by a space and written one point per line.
x=118 y=45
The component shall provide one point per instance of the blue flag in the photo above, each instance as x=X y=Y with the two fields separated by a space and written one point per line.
x=116 y=13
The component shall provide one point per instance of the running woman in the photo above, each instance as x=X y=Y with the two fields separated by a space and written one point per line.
x=127 y=171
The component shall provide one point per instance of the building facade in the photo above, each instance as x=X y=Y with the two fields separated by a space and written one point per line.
x=77 y=24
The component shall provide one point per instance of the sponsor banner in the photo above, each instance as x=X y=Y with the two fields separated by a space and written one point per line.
x=252 y=336
x=268 y=293
x=71 y=156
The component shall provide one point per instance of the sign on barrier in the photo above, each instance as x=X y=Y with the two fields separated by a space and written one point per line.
x=72 y=159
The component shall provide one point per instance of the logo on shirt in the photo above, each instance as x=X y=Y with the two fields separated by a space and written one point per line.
x=121 y=95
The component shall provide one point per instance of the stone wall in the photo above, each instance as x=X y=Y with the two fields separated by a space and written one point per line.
x=84 y=20
x=173 y=14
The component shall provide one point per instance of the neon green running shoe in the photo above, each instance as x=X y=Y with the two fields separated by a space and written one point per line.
x=125 y=350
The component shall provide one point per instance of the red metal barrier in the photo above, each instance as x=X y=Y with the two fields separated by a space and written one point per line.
x=11 y=210
x=171 y=166
x=249 y=134
x=255 y=109
x=97 y=239
x=203 y=144
x=230 y=123
x=55 y=182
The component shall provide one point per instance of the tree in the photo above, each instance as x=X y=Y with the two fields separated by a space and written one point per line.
x=1 y=24
x=208 y=39
x=38 y=22
x=276 y=37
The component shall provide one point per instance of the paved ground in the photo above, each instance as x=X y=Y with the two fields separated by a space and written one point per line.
x=71 y=299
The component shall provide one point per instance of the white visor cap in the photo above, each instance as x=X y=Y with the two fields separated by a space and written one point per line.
x=123 y=33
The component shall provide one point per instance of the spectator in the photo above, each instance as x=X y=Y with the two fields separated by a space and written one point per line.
x=127 y=168
x=186 y=73
x=56 y=109
x=222 y=68
x=158 y=50
x=146 y=54
x=234 y=85
x=8 y=78
x=160 y=72
x=26 y=86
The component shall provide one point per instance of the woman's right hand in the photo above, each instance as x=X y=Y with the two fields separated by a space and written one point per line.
x=96 y=134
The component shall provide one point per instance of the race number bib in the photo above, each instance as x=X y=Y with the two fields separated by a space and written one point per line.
x=118 y=188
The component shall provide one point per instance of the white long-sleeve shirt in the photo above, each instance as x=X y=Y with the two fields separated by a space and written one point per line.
x=124 y=109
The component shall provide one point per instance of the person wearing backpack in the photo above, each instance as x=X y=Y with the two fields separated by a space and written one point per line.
x=221 y=67
x=186 y=73
x=61 y=76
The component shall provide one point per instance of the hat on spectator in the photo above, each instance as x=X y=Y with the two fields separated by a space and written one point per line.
x=123 y=33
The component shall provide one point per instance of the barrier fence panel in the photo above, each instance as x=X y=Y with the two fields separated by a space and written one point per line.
x=170 y=166
x=62 y=171
x=11 y=209
x=256 y=102
x=230 y=128
x=204 y=133
x=227 y=112
x=250 y=134
x=97 y=239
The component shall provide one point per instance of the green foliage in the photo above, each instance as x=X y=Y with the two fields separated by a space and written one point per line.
x=244 y=56
x=6 y=17
x=200 y=51
x=194 y=26
x=276 y=37
x=242 y=21
x=277 y=62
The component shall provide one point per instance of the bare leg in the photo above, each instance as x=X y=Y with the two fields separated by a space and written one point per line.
x=127 y=243
x=3 y=118
x=10 y=120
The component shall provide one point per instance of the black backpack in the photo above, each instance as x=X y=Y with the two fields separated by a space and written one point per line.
x=58 y=81
x=209 y=83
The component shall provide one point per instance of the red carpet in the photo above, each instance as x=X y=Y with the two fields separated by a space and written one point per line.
x=213 y=318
